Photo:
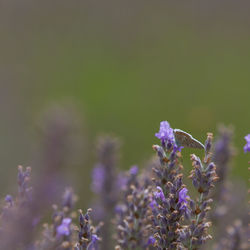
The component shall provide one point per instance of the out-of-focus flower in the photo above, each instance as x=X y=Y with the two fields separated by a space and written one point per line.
x=64 y=228
x=9 y=199
x=247 y=146
x=151 y=240
x=69 y=198
x=166 y=134
x=133 y=170
x=98 y=178
x=107 y=185
x=132 y=220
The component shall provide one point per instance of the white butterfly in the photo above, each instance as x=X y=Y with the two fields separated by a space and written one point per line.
x=186 y=140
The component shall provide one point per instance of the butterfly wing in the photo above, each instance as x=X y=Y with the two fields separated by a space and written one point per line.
x=186 y=140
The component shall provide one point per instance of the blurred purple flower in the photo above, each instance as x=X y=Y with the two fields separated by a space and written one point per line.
x=68 y=198
x=120 y=209
x=153 y=204
x=64 y=228
x=93 y=245
x=121 y=181
x=166 y=134
x=98 y=178
x=151 y=240
x=247 y=146
x=133 y=170
x=9 y=199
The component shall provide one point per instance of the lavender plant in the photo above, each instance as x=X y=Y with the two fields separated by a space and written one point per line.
x=179 y=221
x=88 y=236
x=229 y=196
x=106 y=184
x=132 y=223
x=151 y=210
x=18 y=215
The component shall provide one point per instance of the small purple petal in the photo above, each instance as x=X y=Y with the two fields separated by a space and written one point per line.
x=64 y=228
x=153 y=204
x=183 y=195
x=247 y=146
x=151 y=240
x=66 y=221
x=159 y=194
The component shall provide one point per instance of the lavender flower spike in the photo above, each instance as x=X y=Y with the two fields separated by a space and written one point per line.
x=166 y=134
x=247 y=146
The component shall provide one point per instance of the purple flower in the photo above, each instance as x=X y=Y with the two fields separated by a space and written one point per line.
x=151 y=240
x=133 y=170
x=183 y=195
x=159 y=194
x=9 y=199
x=183 y=202
x=98 y=177
x=153 y=204
x=166 y=134
x=64 y=228
x=247 y=146
x=120 y=209
x=94 y=241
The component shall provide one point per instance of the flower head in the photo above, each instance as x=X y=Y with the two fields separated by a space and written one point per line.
x=166 y=134
x=64 y=228
x=247 y=146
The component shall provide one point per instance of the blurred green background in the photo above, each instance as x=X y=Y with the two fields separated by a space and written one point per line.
x=126 y=66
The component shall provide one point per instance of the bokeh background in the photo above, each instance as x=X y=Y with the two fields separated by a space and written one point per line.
x=122 y=67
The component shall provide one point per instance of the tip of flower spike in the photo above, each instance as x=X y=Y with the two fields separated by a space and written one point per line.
x=166 y=135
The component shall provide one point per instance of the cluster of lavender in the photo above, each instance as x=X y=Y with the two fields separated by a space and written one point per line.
x=132 y=214
x=150 y=209
x=180 y=222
